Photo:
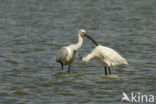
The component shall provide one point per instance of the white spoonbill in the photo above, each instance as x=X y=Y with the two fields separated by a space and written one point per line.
x=107 y=56
x=67 y=54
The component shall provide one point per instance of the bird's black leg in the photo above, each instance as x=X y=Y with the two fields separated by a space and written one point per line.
x=109 y=70
x=105 y=70
x=61 y=65
x=69 y=69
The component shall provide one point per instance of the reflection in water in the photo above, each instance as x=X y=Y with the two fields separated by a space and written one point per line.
x=102 y=76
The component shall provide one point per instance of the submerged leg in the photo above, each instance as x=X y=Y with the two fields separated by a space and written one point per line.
x=61 y=65
x=109 y=70
x=105 y=70
x=69 y=69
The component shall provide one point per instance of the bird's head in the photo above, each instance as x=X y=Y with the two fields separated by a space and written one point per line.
x=85 y=59
x=82 y=32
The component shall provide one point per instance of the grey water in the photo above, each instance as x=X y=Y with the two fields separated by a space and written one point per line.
x=33 y=31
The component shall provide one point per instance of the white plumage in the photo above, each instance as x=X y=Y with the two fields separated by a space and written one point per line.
x=67 y=54
x=107 y=56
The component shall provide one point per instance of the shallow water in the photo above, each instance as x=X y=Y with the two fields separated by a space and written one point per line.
x=32 y=32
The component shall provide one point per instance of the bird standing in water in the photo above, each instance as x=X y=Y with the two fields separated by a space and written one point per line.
x=67 y=54
x=107 y=56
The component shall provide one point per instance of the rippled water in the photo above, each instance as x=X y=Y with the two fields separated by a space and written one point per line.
x=32 y=32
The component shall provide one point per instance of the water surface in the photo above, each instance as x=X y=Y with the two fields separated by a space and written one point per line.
x=32 y=32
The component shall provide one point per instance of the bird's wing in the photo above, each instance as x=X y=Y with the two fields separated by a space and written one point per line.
x=104 y=55
x=111 y=56
x=74 y=53
x=63 y=52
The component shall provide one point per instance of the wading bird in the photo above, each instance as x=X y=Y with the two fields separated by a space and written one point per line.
x=67 y=54
x=107 y=56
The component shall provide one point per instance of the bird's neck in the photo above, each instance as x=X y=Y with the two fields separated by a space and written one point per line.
x=89 y=56
x=79 y=43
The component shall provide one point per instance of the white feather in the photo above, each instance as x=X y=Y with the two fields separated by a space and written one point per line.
x=106 y=55
x=67 y=54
